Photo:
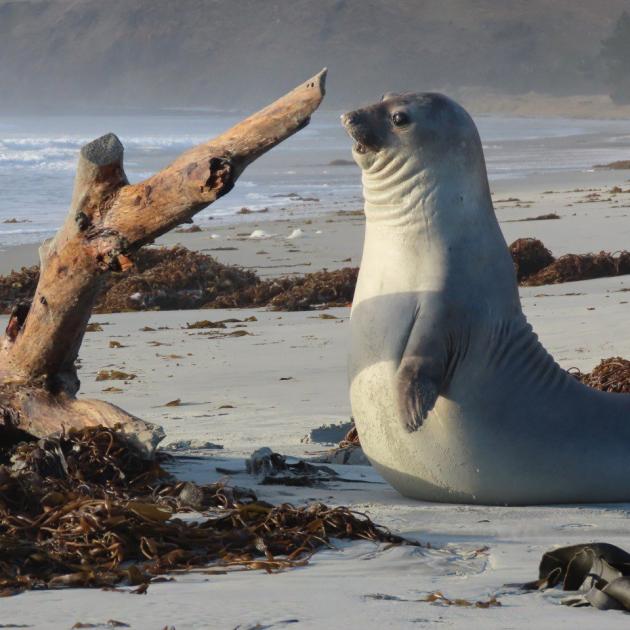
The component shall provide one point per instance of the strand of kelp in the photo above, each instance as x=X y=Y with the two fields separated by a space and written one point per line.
x=177 y=278
x=86 y=510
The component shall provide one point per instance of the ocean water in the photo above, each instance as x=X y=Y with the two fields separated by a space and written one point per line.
x=38 y=158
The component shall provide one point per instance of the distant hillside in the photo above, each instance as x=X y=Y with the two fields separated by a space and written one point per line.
x=238 y=53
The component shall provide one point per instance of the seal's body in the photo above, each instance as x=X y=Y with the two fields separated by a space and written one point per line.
x=453 y=395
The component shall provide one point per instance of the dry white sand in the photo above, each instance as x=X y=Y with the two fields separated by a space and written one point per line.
x=288 y=376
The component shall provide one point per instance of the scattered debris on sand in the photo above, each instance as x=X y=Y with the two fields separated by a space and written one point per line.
x=438 y=598
x=114 y=375
x=86 y=510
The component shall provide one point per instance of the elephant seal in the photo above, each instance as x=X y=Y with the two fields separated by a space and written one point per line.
x=454 y=397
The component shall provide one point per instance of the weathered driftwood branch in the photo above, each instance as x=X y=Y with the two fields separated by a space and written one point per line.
x=109 y=220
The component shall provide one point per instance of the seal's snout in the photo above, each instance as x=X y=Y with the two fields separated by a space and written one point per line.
x=350 y=119
x=358 y=127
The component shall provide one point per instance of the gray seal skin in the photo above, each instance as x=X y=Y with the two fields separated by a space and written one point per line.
x=454 y=397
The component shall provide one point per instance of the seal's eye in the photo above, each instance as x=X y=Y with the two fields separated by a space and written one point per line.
x=400 y=119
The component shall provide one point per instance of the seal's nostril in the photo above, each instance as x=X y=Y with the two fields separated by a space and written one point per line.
x=351 y=118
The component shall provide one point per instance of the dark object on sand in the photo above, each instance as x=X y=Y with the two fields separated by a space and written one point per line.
x=274 y=470
x=529 y=256
x=599 y=571
x=611 y=375
x=87 y=510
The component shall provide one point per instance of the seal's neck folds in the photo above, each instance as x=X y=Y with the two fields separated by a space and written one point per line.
x=444 y=199
x=430 y=222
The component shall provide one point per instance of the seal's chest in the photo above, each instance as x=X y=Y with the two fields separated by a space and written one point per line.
x=380 y=326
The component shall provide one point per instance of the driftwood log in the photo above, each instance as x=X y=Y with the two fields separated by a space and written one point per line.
x=109 y=220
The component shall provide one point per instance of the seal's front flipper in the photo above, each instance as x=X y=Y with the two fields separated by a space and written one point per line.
x=417 y=393
x=422 y=369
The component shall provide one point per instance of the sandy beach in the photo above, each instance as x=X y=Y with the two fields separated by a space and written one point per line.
x=178 y=445
x=287 y=376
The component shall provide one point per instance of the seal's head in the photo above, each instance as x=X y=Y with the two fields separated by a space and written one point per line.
x=411 y=146
x=427 y=123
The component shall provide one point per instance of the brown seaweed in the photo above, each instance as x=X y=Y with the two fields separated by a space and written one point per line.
x=177 y=278
x=529 y=256
x=85 y=510
x=610 y=375
x=572 y=267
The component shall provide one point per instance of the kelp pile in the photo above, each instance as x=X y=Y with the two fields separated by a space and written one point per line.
x=171 y=279
x=178 y=278
x=85 y=510
x=572 y=267
x=17 y=287
x=529 y=256
x=160 y=279
x=536 y=266
x=296 y=293
x=610 y=375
